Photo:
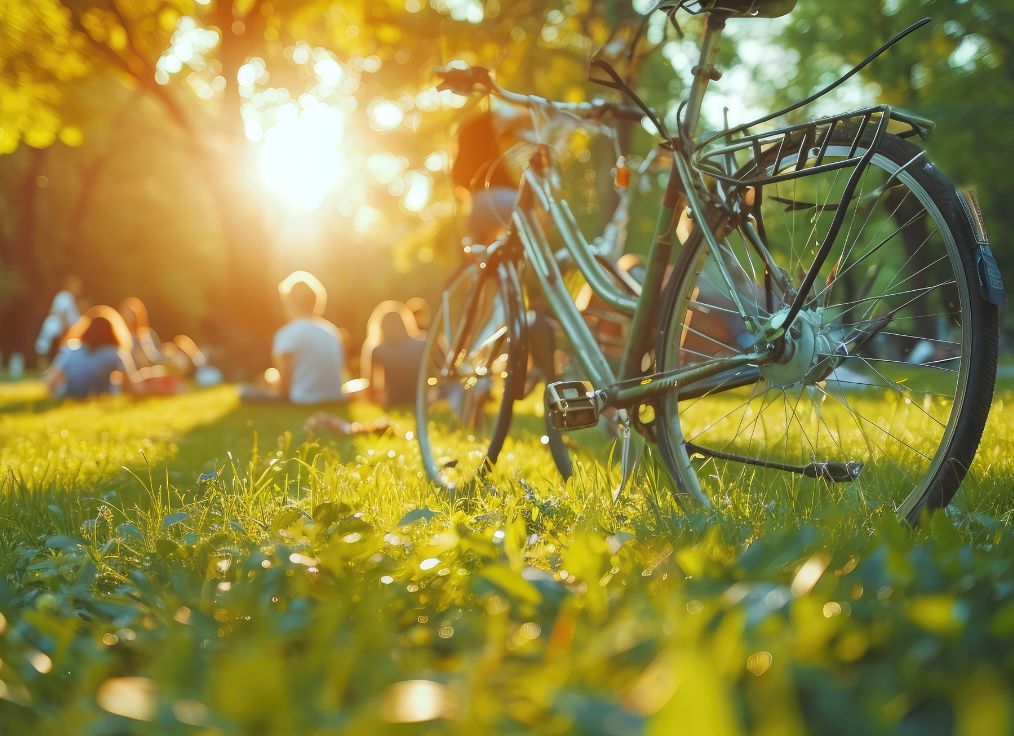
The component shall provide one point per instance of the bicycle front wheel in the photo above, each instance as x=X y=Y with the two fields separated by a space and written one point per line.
x=472 y=366
x=887 y=374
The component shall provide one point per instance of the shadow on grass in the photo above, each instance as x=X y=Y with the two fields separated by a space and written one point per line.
x=238 y=436
x=72 y=475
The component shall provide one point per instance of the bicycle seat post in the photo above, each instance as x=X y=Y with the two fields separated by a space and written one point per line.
x=705 y=71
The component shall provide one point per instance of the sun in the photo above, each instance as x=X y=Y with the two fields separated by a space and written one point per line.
x=301 y=157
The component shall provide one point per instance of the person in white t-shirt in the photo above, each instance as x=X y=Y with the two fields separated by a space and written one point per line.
x=307 y=351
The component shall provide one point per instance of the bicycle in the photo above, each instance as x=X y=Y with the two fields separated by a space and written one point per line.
x=819 y=305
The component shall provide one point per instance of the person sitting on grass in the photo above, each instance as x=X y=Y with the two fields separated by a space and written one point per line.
x=63 y=313
x=307 y=351
x=164 y=365
x=392 y=354
x=145 y=346
x=390 y=360
x=95 y=358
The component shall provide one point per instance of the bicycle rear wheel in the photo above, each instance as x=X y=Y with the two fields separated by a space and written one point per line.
x=891 y=364
x=472 y=366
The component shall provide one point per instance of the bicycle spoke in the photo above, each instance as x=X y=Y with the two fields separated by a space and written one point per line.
x=888 y=219
x=866 y=441
x=872 y=423
x=931 y=366
x=709 y=338
x=900 y=283
x=873 y=250
x=919 y=317
x=920 y=339
x=727 y=415
x=898 y=388
x=920 y=291
x=717 y=389
x=884 y=385
x=870 y=445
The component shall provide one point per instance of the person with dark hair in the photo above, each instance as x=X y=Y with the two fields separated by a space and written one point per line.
x=395 y=358
x=483 y=180
x=95 y=358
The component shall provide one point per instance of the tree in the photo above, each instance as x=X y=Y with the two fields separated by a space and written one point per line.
x=959 y=71
x=38 y=59
x=190 y=93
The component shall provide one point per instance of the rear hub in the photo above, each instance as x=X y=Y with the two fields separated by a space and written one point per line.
x=801 y=357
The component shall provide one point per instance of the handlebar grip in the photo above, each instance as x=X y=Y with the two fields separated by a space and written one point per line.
x=464 y=81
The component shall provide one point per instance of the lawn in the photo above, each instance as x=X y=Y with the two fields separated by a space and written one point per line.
x=188 y=565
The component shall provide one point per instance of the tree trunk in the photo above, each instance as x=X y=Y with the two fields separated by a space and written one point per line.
x=22 y=314
x=246 y=304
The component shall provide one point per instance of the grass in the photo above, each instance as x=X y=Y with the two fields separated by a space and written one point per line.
x=189 y=565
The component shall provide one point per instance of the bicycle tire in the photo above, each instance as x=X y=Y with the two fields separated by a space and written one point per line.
x=449 y=458
x=976 y=374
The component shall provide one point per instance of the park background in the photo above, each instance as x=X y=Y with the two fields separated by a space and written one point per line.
x=193 y=152
x=189 y=565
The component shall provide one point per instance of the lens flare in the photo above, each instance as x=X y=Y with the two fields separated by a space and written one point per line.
x=301 y=157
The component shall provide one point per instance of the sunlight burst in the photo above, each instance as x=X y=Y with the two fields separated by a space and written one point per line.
x=301 y=158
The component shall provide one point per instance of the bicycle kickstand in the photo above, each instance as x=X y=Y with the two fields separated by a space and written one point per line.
x=628 y=452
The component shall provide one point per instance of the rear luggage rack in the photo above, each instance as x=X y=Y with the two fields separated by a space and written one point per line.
x=798 y=150
x=721 y=154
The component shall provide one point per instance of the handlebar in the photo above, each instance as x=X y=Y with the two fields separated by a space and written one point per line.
x=470 y=80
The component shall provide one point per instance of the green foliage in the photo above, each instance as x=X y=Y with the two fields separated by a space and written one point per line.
x=957 y=71
x=39 y=60
x=317 y=586
x=161 y=201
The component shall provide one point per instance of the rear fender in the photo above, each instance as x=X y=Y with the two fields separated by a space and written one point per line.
x=986 y=268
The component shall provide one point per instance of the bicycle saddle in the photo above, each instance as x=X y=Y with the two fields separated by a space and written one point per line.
x=735 y=8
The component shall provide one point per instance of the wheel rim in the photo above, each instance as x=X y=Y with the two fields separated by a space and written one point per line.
x=461 y=401
x=892 y=403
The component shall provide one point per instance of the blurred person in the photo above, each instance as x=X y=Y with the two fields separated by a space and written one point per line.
x=390 y=360
x=191 y=360
x=164 y=365
x=394 y=361
x=16 y=366
x=307 y=354
x=374 y=335
x=420 y=310
x=64 y=312
x=95 y=359
x=482 y=179
x=145 y=346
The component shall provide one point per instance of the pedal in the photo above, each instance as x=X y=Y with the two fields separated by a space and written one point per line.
x=572 y=406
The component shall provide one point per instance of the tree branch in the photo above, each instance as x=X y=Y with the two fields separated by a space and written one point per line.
x=160 y=93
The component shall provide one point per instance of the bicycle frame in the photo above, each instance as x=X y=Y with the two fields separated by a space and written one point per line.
x=627 y=386
x=711 y=194
x=686 y=193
